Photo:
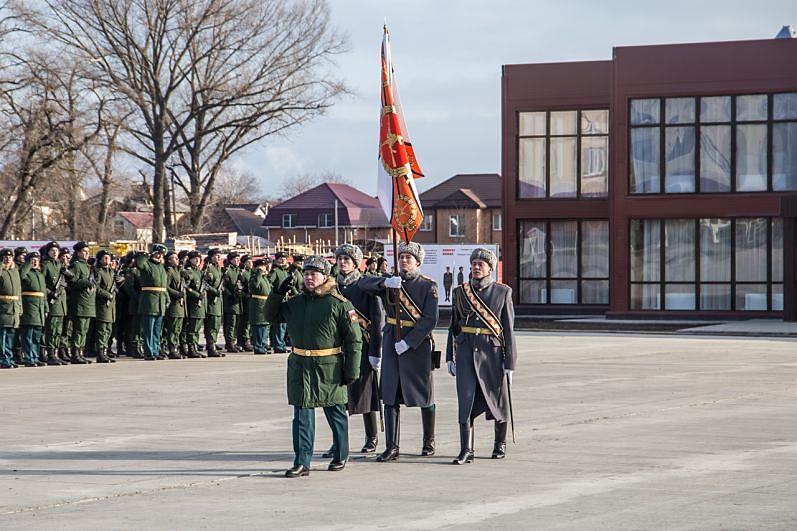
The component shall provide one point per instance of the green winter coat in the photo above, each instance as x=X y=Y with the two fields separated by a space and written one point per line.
x=259 y=288
x=34 y=307
x=80 y=290
x=195 y=297
x=153 y=299
x=277 y=275
x=298 y=279
x=176 y=295
x=213 y=293
x=320 y=320
x=106 y=298
x=10 y=292
x=232 y=296
x=52 y=270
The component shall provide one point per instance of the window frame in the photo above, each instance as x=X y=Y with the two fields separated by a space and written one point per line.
x=291 y=221
x=578 y=135
x=460 y=225
x=427 y=227
x=732 y=123
x=329 y=220
x=500 y=225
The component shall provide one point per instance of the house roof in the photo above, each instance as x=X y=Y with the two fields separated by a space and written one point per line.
x=246 y=222
x=482 y=189
x=355 y=208
x=140 y=220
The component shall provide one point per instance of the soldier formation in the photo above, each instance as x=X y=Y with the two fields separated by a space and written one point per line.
x=360 y=342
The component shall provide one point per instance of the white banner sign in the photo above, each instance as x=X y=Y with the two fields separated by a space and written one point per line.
x=448 y=265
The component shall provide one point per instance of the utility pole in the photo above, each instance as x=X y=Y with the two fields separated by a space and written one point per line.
x=336 y=224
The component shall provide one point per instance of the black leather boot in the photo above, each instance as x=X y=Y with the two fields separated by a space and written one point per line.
x=392 y=434
x=76 y=358
x=81 y=355
x=183 y=350
x=212 y=352
x=102 y=356
x=192 y=351
x=248 y=346
x=140 y=351
x=465 y=444
x=49 y=356
x=499 y=447
x=371 y=439
x=427 y=420
x=63 y=355
x=173 y=354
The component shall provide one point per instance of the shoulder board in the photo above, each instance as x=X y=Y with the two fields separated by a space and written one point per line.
x=428 y=278
x=335 y=293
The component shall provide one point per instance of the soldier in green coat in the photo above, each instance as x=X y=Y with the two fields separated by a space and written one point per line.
x=175 y=316
x=34 y=309
x=10 y=307
x=54 y=348
x=212 y=279
x=295 y=271
x=80 y=301
x=259 y=289
x=105 y=306
x=195 y=303
x=277 y=276
x=244 y=329
x=182 y=260
x=232 y=290
x=326 y=338
x=153 y=299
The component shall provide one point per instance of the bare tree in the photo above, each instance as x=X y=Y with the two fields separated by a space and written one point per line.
x=206 y=78
x=236 y=186
x=305 y=181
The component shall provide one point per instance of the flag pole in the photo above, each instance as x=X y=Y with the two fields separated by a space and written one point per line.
x=397 y=303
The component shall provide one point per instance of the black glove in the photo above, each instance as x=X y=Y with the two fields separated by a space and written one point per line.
x=284 y=286
x=348 y=381
x=68 y=274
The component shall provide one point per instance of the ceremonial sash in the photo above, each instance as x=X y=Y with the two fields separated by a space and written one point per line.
x=484 y=312
x=365 y=325
x=409 y=306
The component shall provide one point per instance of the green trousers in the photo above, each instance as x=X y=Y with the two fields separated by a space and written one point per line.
x=304 y=433
x=133 y=330
x=231 y=327
x=212 y=324
x=102 y=334
x=192 y=327
x=80 y=331
x=54 y=331
x=172 y=329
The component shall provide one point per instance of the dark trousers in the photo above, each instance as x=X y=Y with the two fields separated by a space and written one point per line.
x=151 y=326
x=304 y=433
x=30 y=339
x=7 y=345
x=260 y=337
x=278 y=331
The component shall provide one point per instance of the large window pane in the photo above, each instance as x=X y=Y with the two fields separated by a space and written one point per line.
x=751 y=297
x=751 y=157
x=784 y=106
x=751 y=108
x=563 y=167
x=645 y=249
x=777 y=297
x=679 y=159
x=531 y=124
x=563 y=292
x=532 y=292
x=715 y=250
x=594 y=166
x=533 y=256
x=645 y=160
x=751 y=249
x=645 y=112
x=715 y=158
x=595 y=122
x=777 y=250
x=679 y=250
x=679 y=110
x=784 y=156
x=564 y=123
x=715 y=109
x=594 y=249
x=595 y=291
x=645 y=297
x=679 y=297
x=715 y=296
x=564 y=236
x=531 y=167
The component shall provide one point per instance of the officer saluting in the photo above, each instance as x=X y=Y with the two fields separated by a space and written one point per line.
x=153 y=301
x=407 y=363
x=481 y=353
x=327 y=343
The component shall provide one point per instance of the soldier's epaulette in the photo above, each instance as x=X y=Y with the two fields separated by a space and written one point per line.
x=502 y=284
x=335 y=293
x=428 y=278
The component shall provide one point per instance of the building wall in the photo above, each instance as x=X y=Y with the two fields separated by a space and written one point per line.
x=478 y=227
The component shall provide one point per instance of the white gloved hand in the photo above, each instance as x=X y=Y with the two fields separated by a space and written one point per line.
x=452 y=368
x=402 y=347
x=393 y=282
x=508 y=373
x=375 y=362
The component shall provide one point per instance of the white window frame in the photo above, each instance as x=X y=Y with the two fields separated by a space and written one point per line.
x=289 y=221
x=428 y=223
x=500 y=217
x=460 y=220
x=328 y=221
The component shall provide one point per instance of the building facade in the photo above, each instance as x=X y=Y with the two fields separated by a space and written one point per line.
x=660 y=183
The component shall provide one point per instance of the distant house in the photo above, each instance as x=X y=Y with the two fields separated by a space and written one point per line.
x=463 y=209
x=135 y=226
x=310 y=216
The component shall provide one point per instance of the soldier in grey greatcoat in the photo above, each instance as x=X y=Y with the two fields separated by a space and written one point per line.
x=407 y=361
x=480 y=352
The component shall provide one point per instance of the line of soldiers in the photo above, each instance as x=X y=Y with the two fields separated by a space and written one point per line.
x=59 y=306
x=347 y=326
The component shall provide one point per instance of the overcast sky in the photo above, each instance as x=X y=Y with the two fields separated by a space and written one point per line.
x=447 y=56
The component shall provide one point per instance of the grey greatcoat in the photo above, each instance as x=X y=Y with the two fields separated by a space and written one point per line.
x=407 y=379
x=480 y=358
x=363 y=394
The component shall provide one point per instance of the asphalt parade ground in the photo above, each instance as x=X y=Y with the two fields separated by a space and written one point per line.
x=613 y=432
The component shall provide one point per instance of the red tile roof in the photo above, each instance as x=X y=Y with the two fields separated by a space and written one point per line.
x=140 y=220
x=480 y=188
x=355 y=208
